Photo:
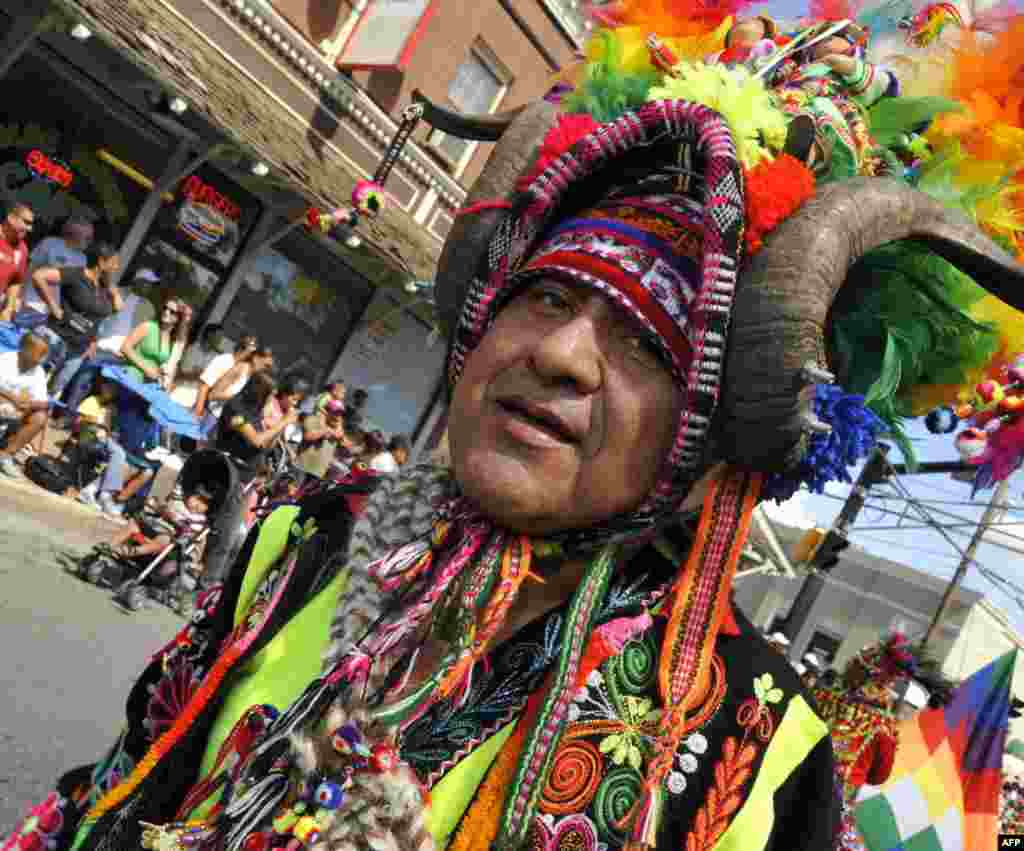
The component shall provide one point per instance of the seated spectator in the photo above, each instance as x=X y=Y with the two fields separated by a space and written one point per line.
x=225 y=377
x=322 y=435
x=393 y=458
x=194 y=362
x=335 y=390
x=97 y=418
x=241 y=432
x=23 y=401
x=77 y=378
x=87 y=297
x=68 y=249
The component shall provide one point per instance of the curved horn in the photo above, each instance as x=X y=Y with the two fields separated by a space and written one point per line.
x=479 y=128
x=467 y=241
x=784 y=296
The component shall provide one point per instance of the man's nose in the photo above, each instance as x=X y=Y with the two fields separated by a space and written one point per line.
x=570 y=354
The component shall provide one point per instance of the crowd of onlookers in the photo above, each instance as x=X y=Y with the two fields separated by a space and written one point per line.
x=69 y=317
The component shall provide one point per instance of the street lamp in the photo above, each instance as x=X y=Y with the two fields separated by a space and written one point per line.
x=80 y=32
x=260 y=169
x=177 y=105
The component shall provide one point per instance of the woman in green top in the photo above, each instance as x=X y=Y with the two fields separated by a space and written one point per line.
x=149 y=347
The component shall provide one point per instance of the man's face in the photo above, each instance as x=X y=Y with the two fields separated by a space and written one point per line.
x=564 y=413
x=338 y=392
x=31 y=354
x=19 y=223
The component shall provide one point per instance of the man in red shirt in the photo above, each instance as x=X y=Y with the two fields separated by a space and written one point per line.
x=15 y=226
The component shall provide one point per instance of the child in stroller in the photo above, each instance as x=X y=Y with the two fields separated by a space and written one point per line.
x=158 y=552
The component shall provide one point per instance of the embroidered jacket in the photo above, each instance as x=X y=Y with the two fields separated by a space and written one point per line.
x=755 y=771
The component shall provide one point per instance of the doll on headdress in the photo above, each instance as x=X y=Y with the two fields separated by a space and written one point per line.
x=748 y=41
x=825 y=89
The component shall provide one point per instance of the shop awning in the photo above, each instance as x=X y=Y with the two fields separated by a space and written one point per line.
x=167 y=48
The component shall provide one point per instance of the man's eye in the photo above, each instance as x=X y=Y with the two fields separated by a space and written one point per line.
x=549 y=298
x=644 y=350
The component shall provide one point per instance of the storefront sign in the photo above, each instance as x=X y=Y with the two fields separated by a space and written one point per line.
x=49 y=169
x=198 y=192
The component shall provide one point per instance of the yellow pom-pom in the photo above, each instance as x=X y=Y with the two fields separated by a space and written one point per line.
x=757 y=124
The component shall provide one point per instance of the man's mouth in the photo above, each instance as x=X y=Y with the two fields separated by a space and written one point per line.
x=540 y=418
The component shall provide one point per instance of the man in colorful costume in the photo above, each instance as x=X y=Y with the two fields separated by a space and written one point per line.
x=537 y=647
x=860 y=711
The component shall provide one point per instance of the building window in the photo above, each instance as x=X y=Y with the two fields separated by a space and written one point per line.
x=479 y=85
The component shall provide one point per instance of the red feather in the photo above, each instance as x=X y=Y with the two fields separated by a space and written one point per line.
x=567 y=132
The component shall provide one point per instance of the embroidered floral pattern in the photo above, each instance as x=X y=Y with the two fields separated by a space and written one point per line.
x=736 y=765
x=572 y=833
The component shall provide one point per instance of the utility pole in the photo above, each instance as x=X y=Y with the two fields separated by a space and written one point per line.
x=875 y=471
x=992 y=514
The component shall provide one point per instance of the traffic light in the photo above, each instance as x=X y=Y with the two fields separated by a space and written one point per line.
x=804 y=551
x=826 y=556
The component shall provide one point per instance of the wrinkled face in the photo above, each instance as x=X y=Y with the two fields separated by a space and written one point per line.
x=564 y=412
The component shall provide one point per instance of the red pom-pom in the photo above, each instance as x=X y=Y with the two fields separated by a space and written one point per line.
x=567 y=132
x=775 y=190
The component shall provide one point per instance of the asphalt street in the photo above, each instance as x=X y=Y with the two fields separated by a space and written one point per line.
x=68 y=653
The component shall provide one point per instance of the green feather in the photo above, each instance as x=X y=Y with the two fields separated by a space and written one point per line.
x=908 y=328
x=891 y=118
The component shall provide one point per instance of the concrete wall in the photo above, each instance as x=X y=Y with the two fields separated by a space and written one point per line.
x=864 y=598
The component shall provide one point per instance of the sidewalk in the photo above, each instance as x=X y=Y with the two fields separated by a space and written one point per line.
x=72 y=523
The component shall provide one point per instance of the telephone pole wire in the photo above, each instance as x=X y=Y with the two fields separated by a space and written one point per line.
x=995 y=510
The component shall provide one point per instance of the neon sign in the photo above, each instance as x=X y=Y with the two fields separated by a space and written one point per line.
x=50 y=170
x=198 y=192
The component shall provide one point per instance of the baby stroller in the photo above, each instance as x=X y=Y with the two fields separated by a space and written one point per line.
x=168 y=577
x=217 y=473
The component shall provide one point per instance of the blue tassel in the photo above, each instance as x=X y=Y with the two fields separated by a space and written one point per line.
x=855 y=431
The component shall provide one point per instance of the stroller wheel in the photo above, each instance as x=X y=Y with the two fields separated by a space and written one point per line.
x=94 y=570
x=133 y=597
